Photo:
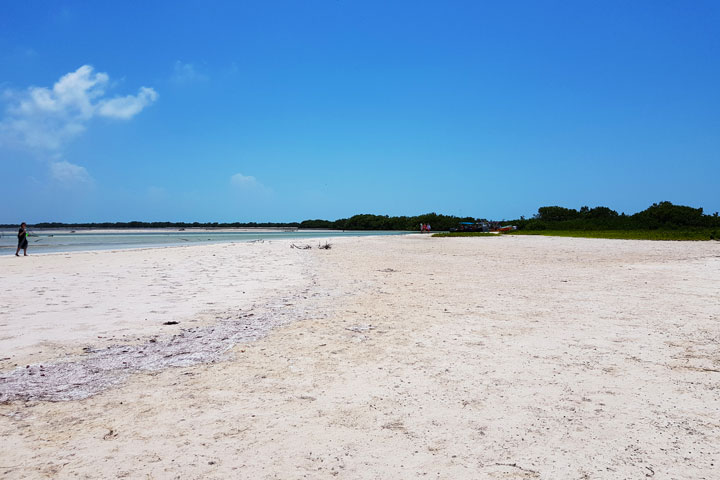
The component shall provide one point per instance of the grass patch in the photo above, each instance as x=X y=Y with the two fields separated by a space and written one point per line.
x=695 y=234
x=465 y=234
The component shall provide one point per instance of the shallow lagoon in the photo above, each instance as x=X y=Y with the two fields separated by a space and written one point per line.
x=49 y=241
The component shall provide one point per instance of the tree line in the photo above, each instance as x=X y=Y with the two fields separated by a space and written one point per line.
x=356 y=222
x=659 y=216
x=663 y=215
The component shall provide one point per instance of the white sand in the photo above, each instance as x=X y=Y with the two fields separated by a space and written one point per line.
x=57 y=303
x=509 y=357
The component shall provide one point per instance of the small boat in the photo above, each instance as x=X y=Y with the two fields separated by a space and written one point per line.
x=471 y=227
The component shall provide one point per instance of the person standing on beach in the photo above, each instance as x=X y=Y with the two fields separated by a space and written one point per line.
x=22 y=240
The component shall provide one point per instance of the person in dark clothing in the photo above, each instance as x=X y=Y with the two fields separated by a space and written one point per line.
x=22 y=240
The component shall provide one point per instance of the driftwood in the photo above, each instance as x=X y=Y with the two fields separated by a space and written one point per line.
x=325 y=246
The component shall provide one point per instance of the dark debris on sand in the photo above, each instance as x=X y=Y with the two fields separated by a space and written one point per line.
x=104 y=368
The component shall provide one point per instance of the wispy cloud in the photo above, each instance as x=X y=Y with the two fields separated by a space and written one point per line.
x=69 y=173
x=244 y=181
x=41 y=118
x=129 y=106
x=23 y=52
x=247 y=186
x=184 y=73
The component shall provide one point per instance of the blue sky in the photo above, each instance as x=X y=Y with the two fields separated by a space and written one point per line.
x=288 y=110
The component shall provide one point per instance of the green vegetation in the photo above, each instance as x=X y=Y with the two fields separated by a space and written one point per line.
x=465 y=234
x=356 y=222
x=660 y=221
x=659 y=216
x=384 y=222
x=693 y=234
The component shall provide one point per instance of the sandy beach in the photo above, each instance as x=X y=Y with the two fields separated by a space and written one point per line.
x=383 y=357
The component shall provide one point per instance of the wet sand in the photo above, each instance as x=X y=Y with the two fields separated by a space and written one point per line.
x=404 y=357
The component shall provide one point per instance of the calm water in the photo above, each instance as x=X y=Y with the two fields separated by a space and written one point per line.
x=46 y=241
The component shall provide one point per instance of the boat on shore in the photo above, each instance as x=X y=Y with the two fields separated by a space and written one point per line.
x=483 y=226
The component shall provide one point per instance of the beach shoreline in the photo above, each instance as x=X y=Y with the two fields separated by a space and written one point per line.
x=49 y=241
x=92 y=230
x=511 y=357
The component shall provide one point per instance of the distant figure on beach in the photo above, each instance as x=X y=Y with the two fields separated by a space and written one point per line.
x=422 y=228
x=427 y=228
x=22 y=240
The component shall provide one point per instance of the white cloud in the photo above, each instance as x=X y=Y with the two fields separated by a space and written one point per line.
x=127 y=107
x=68 y=173
x=187 y=73
x=47 y=118
x=248 y=186
x=244 y=181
